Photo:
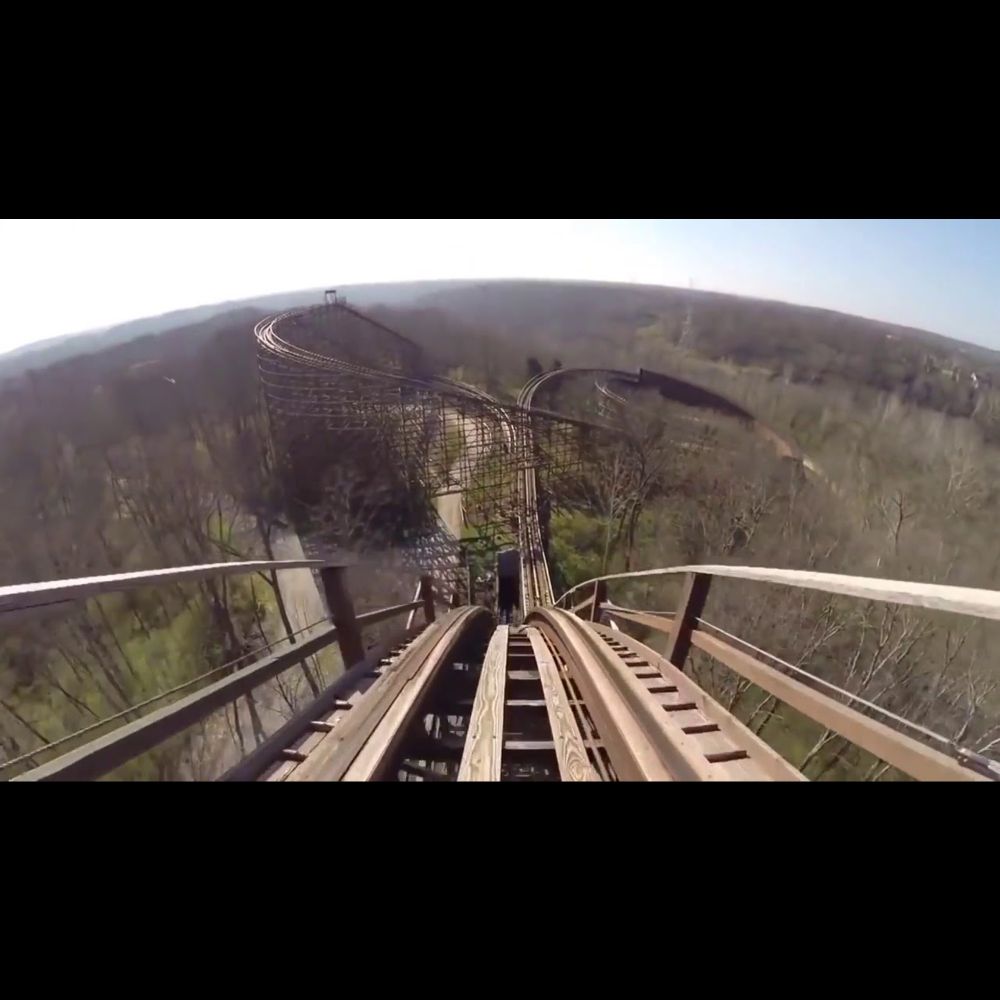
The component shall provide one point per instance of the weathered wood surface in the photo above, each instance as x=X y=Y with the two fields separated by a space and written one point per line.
x=25 y=596
x=655 y=622
x=764 y=762
x=304 y=730
x=693 y=596
x=632 y=754
x=105 y=753
x=904 y=752
x=940 y=597
x=341 y=606
x=336 y=751
x=375 y=756
x=484 y=743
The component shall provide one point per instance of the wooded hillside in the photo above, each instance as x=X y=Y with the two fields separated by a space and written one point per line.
x=157 y=452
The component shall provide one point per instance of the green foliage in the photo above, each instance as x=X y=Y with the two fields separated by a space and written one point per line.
x=576 y=539
x=108 y=464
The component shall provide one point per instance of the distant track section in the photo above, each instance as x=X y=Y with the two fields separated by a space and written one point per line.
x=334 y=364
x=373 y=389
x=536 y=584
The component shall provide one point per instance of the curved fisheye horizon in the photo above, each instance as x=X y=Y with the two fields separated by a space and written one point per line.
x=934 y=275
x=341 y=500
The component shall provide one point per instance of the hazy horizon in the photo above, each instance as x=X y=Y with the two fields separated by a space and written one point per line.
x=66 y=277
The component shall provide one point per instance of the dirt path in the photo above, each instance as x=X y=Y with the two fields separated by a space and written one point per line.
x=298 y=586
x=449 y=506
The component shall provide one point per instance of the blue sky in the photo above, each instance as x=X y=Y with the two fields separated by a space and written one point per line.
x=941 y=275
x=63 y=276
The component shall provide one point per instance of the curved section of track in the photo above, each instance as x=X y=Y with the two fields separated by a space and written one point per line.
x=536 y=583
x=513 y=425
x=335 y=365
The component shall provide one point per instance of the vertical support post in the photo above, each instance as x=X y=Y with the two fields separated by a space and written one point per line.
x=692 y=604
x=427 y=596
x=338 y=600
x=600 y=596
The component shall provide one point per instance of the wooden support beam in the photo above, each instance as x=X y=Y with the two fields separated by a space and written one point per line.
x=941 y=597
x=423 y=772
x=484 y=743
x=692 y=604
x=522 y=675
x=338 y=600
x=655 y=622
x=903 y=752
x=600 y=596
x=427 y=596
x=413 y=614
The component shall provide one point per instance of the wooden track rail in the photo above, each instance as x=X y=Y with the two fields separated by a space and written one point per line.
x=405 y=693
x=570 y=748
x=910 y=755
x=25 y=599
x=562 y=697
x=642 y=693
x=720 y=731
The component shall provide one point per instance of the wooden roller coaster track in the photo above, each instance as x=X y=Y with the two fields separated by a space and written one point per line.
x=563 y=693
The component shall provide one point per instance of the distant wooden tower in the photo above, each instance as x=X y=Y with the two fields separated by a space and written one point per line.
x=330 y=296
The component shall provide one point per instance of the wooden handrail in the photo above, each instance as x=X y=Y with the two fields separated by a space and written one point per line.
x=104 y=754
x=895 y=748
x=664 y=625
x=32 y=597
x=973 y=601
